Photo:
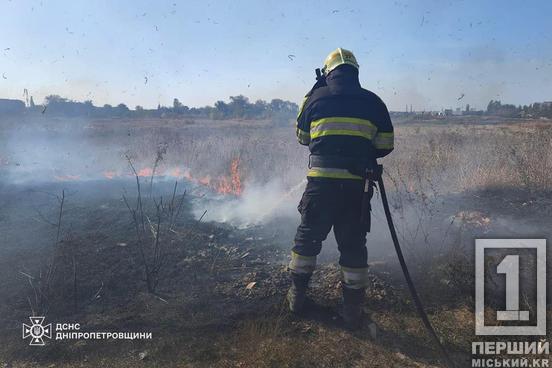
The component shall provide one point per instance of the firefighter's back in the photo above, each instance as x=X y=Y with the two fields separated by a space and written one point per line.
x=344 y=117
x=346 y=128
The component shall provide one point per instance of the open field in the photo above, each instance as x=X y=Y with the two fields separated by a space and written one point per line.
x=221 y=280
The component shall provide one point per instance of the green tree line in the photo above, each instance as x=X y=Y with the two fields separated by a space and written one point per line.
x=238 y=107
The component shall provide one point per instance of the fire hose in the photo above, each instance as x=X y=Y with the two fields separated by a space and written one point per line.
x=376 y=175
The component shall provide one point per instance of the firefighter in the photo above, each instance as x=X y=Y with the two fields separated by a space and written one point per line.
x=346 y=129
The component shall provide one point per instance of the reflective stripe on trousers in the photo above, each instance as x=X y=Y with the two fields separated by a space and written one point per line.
x=355 y=278
x=302 y=264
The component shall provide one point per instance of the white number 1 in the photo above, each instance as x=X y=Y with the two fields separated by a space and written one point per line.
x=510 y=267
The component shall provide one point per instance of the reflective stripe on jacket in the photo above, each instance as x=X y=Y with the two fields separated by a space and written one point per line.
x=342 y=118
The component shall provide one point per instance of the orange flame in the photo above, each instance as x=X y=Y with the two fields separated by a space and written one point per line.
x=109 y=174
x=176 y=172
x=232 y=184
x=206 y=180
x=146 y=171
x=226 y=184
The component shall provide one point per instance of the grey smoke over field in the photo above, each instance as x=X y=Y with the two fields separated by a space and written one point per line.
x=41 y=150
x=433 y=177
x=257 y=204
x=46 y=150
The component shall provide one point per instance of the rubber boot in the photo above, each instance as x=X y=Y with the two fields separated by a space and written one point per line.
x=297 y=293
x=352 y=307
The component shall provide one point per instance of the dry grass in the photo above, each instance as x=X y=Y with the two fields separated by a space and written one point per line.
x=449 y=156
x=259 y=343
x=430 y=164
x=456 y=158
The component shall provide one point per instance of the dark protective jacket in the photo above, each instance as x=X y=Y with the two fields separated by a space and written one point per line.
x=340 y=118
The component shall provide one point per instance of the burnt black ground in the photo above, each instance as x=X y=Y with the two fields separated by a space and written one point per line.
x=207 y=312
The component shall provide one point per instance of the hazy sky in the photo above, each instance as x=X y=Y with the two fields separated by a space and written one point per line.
x=424 y=53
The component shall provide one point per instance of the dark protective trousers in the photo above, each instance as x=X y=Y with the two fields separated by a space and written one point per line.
x=336 y=203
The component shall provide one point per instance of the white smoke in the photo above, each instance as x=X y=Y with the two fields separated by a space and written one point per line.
x=256 y=205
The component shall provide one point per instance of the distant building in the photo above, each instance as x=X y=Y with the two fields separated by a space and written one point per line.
x=11 y=107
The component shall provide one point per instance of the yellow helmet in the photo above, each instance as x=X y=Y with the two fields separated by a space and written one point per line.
x=339 y=57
